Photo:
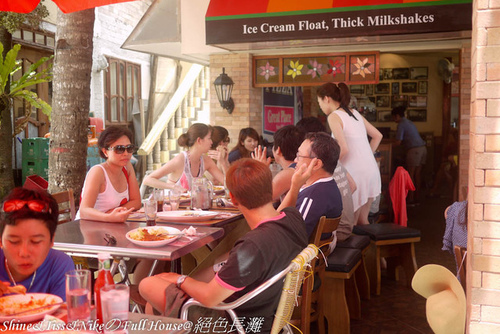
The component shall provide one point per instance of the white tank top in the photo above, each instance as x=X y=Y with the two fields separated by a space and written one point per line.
x=109 y=199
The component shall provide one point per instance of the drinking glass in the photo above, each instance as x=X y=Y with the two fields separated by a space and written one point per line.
x=115 y=306
x=174 y=198
x=78 y=295
x=158 y=197
x=150 y=207
x=275 y=169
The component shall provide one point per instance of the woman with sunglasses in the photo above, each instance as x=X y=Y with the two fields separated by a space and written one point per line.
x=188 y=164
x=27 y=227
x=111 y=190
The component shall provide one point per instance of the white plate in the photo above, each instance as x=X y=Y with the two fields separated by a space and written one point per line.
x=158 y=243
x=219 y=189
x=8 y=305
x=186 y=216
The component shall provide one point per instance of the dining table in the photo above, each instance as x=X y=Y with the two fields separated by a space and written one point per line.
x=213 y=237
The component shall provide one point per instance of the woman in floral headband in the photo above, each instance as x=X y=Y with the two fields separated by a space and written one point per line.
x=27 y=227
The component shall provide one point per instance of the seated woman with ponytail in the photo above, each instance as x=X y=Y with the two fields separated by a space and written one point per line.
x=350 y=129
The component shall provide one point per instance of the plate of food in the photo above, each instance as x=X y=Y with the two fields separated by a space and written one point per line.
x=219 y=189
x=186 y=216
x=153 y=236
x=40 y=304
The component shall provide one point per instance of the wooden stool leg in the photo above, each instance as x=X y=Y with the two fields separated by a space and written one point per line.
x=371 y=266
x=337 y=313
x=408 y=261
x=362 y=280
x=352 y=296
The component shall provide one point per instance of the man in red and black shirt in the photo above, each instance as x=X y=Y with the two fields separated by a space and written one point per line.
x=274 y=240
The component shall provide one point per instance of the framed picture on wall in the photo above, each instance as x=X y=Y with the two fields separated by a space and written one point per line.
x=400 y=73
x=417 y=115
x=383 y=88
x=369 y=89
x=395 y=88
x=384 y=116
x=383 y=101
x=385 y=74
x=399 y=101
x=408 y=87
x=419 y=73
x=357 y=89
x=422 y=87
x=417 y=101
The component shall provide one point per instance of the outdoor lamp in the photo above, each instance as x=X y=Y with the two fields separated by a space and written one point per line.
x=223 y=87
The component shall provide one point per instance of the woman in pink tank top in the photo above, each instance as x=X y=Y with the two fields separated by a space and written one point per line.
x=190 y=163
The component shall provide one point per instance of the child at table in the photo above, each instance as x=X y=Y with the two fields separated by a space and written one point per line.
x=27 y=227
x=274 y=240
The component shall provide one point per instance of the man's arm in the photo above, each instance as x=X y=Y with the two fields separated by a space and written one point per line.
x=209 y=294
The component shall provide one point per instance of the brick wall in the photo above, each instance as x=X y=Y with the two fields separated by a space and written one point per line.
x=464 y=127
x=483 y=265
x=247 y=99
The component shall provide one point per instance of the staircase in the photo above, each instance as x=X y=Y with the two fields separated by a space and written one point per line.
x=189 y=104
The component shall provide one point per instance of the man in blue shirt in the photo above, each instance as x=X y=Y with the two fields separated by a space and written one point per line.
x=416 y=152
x=317 y=195
x=27 y=228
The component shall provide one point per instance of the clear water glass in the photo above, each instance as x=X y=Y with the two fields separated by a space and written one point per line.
x=174 y=199
x=115 y=307
x=78 y=295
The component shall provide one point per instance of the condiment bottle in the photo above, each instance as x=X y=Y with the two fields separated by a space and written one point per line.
x=104 y=278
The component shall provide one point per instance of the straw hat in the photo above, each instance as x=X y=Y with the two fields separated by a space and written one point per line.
x=445 y=308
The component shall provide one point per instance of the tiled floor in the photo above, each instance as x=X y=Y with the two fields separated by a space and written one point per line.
x=399 y=309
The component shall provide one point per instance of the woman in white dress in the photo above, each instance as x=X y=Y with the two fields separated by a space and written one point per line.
x=350 y=129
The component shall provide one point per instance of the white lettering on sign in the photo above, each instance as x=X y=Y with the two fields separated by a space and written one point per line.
x=283 y=90
x=273 y=117
x=249 y=30
x=348 y=22
x=267 y=28
x=308 y=25
x=389 y=20
x=339 y=23
x=285 y=118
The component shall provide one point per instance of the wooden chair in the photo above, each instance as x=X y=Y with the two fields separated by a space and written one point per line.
x=312 y=299
x=66 y=201
x=294 y=276
x=461 y=258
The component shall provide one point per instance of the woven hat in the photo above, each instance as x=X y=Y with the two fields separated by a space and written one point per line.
x=446 y=303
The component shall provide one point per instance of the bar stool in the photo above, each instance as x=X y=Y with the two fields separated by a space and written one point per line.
x=341 y=294
x=362 y=243
x=396 y=244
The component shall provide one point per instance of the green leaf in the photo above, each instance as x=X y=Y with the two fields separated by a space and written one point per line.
x=33 y=68
x=1 y=54
x=8 y=65
x=309 y=66
x=33 y=99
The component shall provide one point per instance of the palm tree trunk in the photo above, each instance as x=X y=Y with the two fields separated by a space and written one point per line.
x=71 y=100
x=6 y=176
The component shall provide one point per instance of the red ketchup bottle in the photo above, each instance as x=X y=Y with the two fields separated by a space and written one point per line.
x=104 y=278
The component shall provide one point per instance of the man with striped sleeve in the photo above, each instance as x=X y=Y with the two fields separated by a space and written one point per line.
x=318 y=194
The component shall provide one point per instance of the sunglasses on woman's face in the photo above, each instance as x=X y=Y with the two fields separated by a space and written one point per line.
x=17 y=204
x=120 y=149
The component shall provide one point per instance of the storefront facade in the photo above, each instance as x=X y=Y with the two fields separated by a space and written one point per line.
x=474 y=52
